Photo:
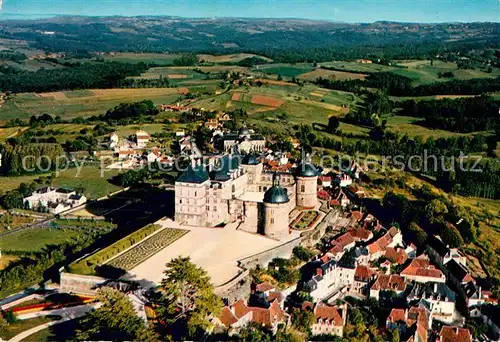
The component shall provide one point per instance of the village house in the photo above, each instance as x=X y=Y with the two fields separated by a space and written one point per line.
x=440 y=297
x=391 y=238
x=421 y=270
x=240 y=314
x=396 y=255
x=387 y=283
x=54 y=200
x=328 y=320
x=330 y=278
x=363 y=277
x=343 y=180
x=141 y=139
x=413 y=323
x=454 y=334
x=340 y=245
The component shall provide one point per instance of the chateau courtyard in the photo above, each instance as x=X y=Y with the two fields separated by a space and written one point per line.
x=217 y=250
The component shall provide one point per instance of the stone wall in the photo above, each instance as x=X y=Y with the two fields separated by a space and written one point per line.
x=263 y=258
x=236 y=288
x=311 y=238
x=80 y=284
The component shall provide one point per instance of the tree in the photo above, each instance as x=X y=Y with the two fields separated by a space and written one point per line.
x=280 y=78
x=418 y=234
x=435 y=210
x=333 y=124
x=3 y=324
x=302 y=253
x=114 y=320
x=451 y=236
x=302 y=320
x=189 y=296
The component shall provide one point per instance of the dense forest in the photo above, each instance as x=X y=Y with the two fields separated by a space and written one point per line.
x=397 y=85
x=460 y=115
x=283 y=40
x=22 y=158
x=81 y=76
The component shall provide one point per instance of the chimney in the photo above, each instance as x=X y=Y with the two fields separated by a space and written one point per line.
x=319 y=271
x=435 y=287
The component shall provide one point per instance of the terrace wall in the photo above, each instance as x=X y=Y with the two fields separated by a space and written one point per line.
x=80 y=284
x=263 y=258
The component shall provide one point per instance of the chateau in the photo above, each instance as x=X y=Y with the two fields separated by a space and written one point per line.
x=234 y=188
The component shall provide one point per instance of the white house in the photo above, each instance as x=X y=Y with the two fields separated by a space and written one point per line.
x=329 y=320
x=440 y=297
x=54 y=200
x=141 y=138
x=330 y=278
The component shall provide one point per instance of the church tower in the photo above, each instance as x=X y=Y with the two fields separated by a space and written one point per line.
x=276 y=210
x=307 y=185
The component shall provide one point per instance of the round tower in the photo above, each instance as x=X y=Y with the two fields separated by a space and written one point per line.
x=307 y=185
x=276 y=210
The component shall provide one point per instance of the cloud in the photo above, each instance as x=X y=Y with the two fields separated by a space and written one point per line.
x=1 y=5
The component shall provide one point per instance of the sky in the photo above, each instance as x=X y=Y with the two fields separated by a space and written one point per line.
x=336 y=10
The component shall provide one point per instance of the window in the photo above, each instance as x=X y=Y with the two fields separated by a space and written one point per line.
x=260 y=188
x=207 y=207
x=180 y=201
x=215 y=209
x=233 y=188
x=208 y=200
x=195 y=193
x=302 y=188
x=272 y=220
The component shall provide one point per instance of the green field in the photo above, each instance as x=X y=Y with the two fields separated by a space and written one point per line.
x=89 y=178
x=71 y=104
x=409 y=125
x=33 y=240
x=132 y=57
x=285 y=70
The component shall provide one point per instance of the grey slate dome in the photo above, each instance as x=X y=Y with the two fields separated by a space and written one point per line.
x=306 y=170
x=250 y=159
x=276 y=195
x=194 y=174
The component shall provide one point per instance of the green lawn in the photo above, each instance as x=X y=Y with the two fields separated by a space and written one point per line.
x=33 y=240
x=59 y=332
x=90 y=178
x=20 y=326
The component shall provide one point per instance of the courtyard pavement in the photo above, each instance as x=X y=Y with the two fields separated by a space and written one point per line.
x=216 y=250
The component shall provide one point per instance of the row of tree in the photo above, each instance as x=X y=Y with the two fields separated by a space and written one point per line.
x=85 y=76
x=459 y=115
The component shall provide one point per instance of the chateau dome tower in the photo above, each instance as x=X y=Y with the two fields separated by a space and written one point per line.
x=276 y=210
x=307 y=185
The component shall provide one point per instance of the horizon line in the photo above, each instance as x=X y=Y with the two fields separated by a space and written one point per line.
x=38 y=16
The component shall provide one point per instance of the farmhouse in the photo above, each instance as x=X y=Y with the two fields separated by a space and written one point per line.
x=54 y=200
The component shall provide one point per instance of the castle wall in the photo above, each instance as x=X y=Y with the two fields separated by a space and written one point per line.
x=307 y=192
x=276 y=220
x=191 y=203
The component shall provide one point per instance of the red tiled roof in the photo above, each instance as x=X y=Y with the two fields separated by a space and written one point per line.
x=264 y=287
x=227 y=318
x=361 y=233
x=240 y=308
x=421 y=267
x=345 y=239
x=397 y=315
x=389 y=282
x=334 y=202
x=275 y=296
x=396 y=255
x=324 y=195
x=325 y=178
x=328 y=313
x=454 y=334
x=363 y=273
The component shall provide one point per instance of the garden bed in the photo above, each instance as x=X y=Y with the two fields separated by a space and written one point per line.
x=146 y=249
x=88 y=265
x=305 y=220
